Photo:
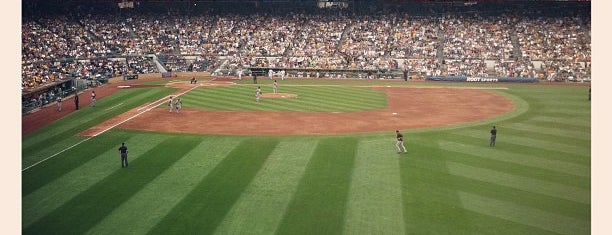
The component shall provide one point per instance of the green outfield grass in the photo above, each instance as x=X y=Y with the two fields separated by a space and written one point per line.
x=310 y=98
x=535 y=181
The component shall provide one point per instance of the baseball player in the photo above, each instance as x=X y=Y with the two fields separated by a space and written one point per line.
x=93 y=98
x=257 y=94
x=59 y=104
x=178 y=104
x=170 y=104
x=123 y=151
x=400 y=141
x=493 y=137
x=275 y=87
x=76 y=101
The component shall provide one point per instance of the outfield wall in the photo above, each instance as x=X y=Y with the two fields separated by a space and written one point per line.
x=482 y=79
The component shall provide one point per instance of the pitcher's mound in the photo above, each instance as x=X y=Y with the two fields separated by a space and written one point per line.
x=279 y=95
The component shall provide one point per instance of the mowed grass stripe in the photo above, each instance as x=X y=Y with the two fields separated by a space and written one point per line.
x=203 y=209
x=366 y=96
x=335 y=97
x=324 y=101
x=555 y=131
x=311 y=99
x=519 y=170
x=586 y=122
x=47 y=171
x=229 y=101
x=569 y=104
x=519 y=149
x=525 y=215
x=375 y=197
x=563 y=113
x=558 y=125
x=247 y=103
x=362 y=96
x=528 y=184
x=429 y=208
x=319 y=204
x=261 y=206
x=314 y=95
x=434 y=194
x=219 y=102
x=59 y=191
x=584 y=111
x=86 y=209
x=552 y=146
x=158 y=197
x=516 y=158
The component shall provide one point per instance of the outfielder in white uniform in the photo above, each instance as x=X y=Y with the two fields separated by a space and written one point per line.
x=275 y=87
x=258 y=94
x=170 y=104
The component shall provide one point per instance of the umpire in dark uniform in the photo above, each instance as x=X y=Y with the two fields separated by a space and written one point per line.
x=76 y=101
x=124 y=152
x=493 y=137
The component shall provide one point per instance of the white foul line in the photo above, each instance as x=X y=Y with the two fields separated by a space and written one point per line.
x=113 y=107
x=107 y=129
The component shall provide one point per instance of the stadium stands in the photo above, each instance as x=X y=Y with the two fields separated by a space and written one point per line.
x=486 y=43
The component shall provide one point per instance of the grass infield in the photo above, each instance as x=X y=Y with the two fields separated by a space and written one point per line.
x=535 y=181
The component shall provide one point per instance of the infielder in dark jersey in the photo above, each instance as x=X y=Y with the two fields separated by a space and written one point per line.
x=400 y=142
x=493 y=137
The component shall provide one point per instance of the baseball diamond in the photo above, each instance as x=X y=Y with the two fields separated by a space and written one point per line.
x=452 y=152
x=306 y=117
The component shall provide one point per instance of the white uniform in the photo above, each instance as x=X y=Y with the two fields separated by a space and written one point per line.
x=170 y=104
x=275 y=87
x=178 y=104
x=59 y=103
x=93 y=98
x=257 y=94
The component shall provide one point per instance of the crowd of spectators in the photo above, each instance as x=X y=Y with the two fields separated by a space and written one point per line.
x=39 y=74
x=175 y=63
x=465 y=67
x=140 y=65
x=516 y=68
x=193 y=34
x=476 y=37
x=450 y=44
x=544 y=39
x=416 y=38
x=319 y=36
x=58 y=38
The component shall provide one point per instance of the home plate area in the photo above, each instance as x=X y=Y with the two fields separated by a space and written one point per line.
x=279 y=95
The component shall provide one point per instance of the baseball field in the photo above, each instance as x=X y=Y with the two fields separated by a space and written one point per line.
x=321 y=160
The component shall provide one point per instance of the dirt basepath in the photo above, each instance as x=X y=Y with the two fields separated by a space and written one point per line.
x=408 y=108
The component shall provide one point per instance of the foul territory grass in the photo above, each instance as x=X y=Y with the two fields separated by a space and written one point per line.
x=535 y=181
